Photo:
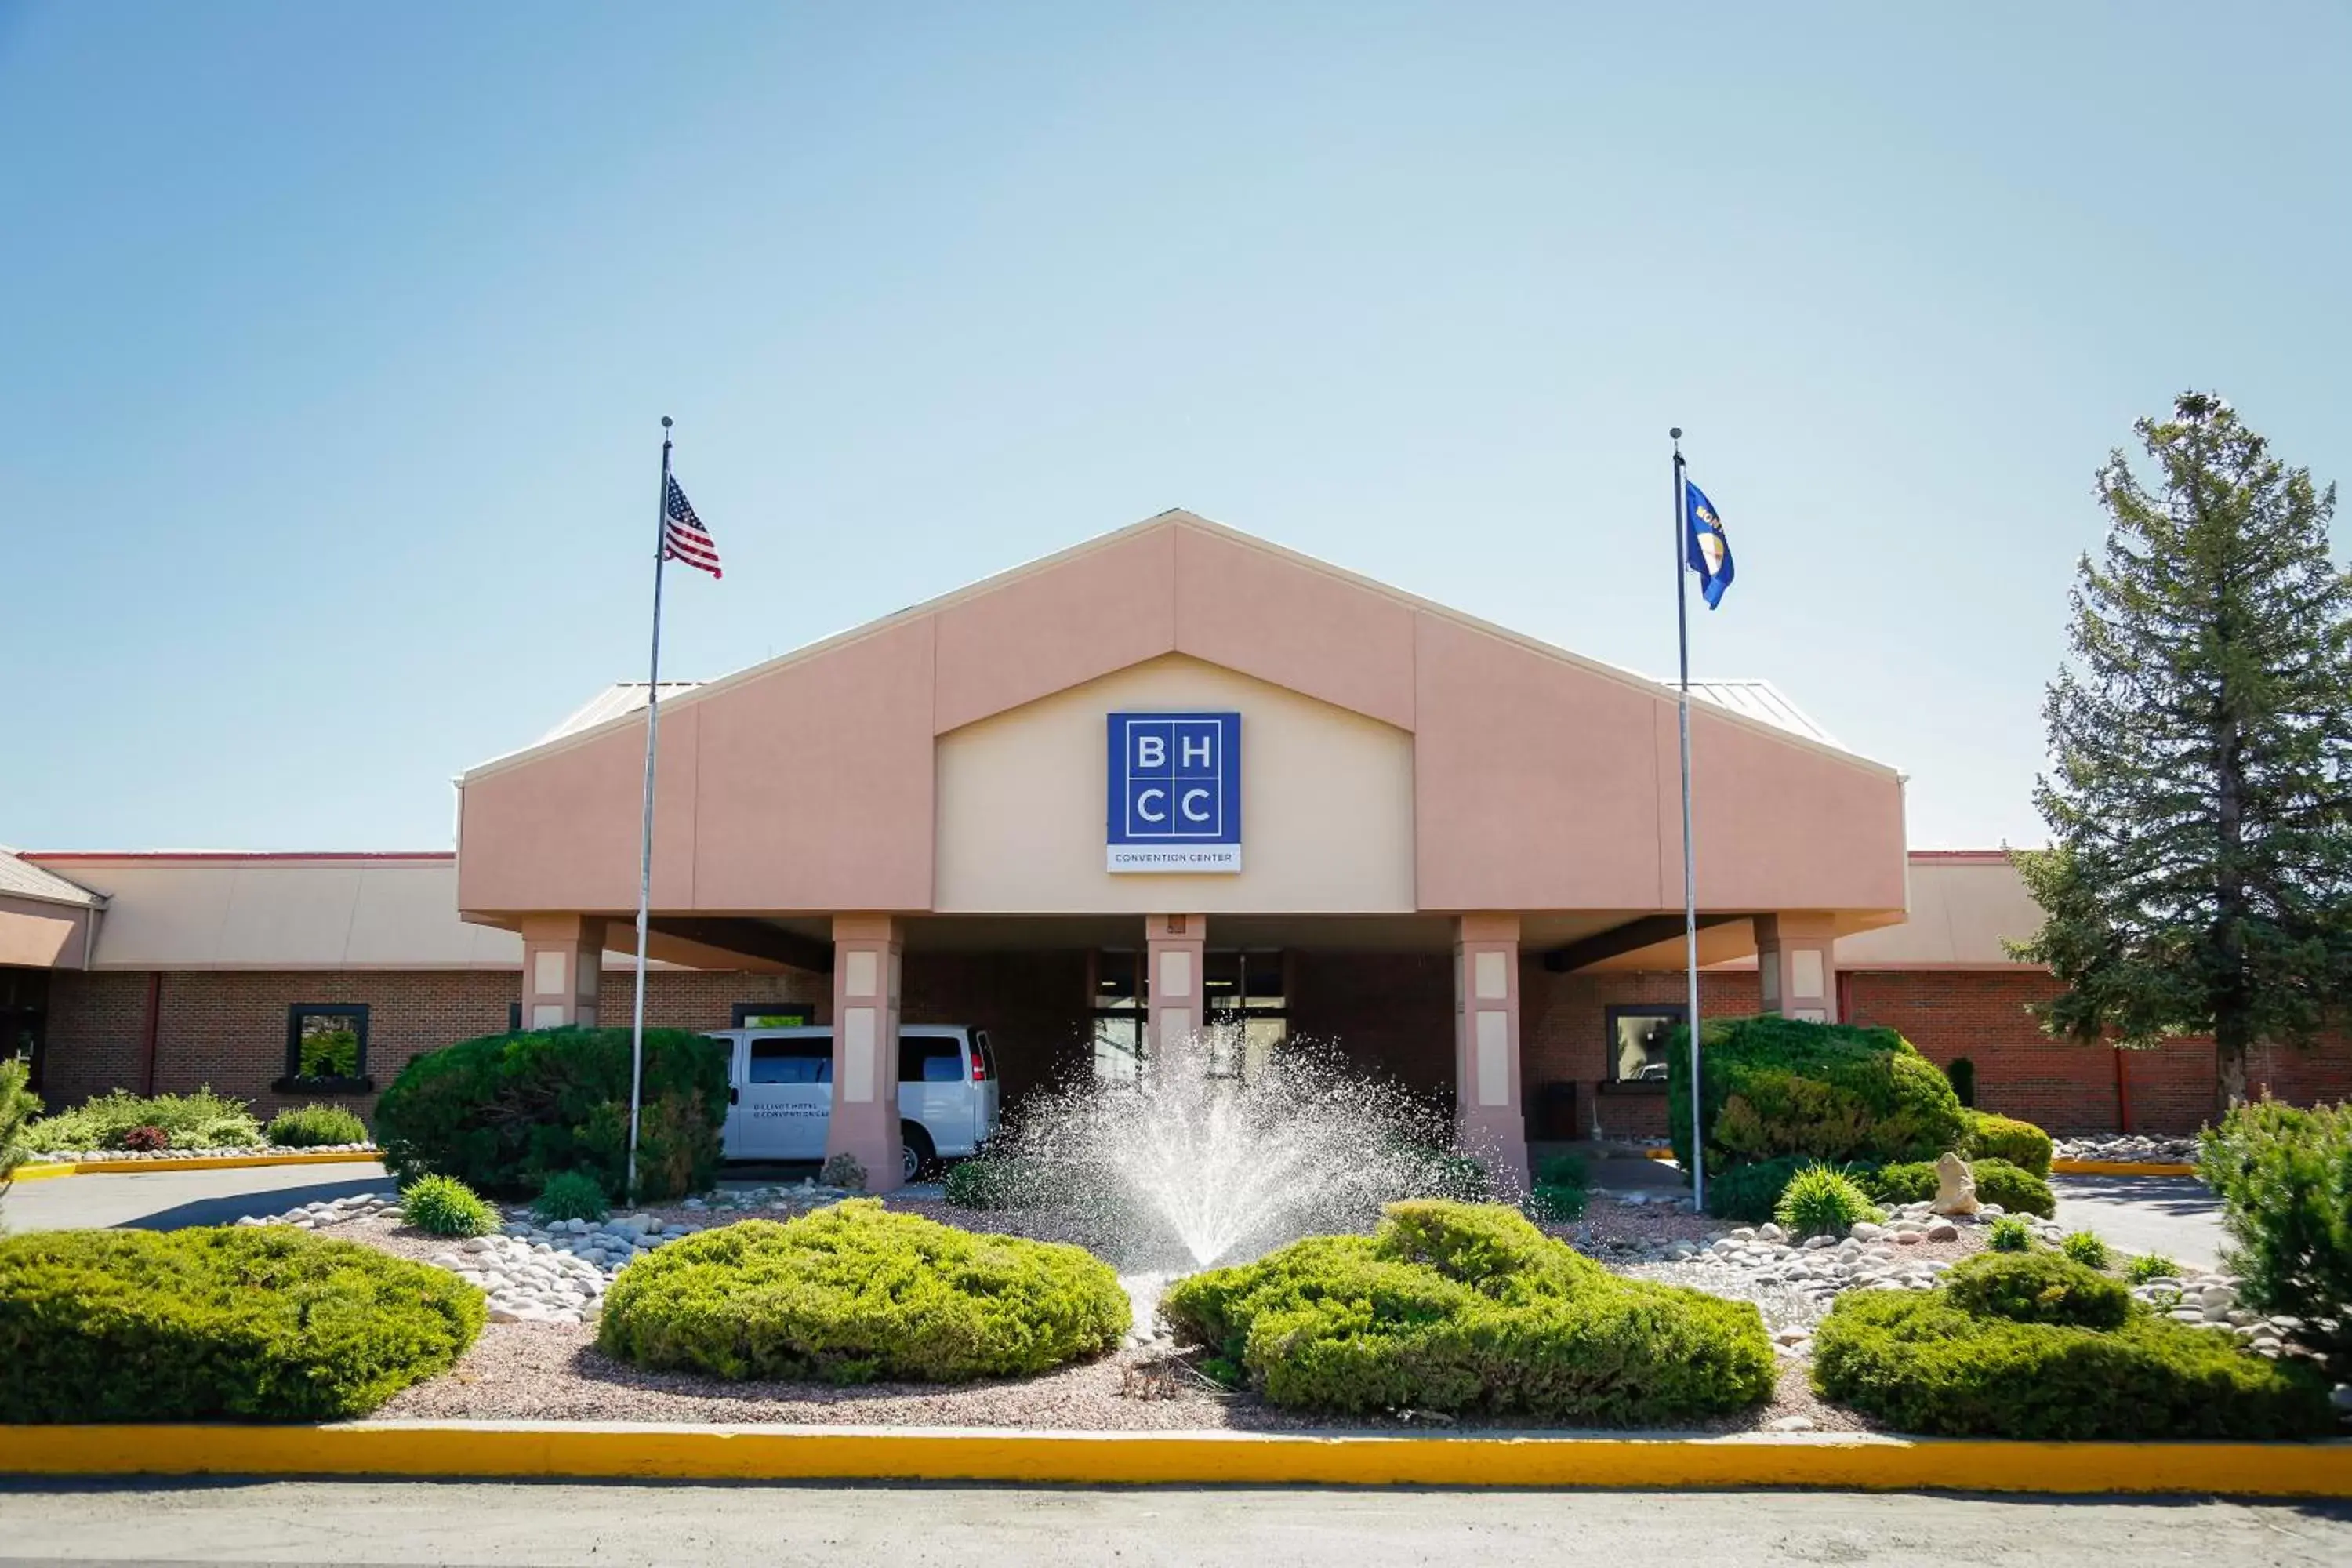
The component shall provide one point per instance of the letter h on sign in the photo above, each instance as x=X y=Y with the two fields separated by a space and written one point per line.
x=1175 y=792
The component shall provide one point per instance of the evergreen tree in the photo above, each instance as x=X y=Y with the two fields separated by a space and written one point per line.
x=2199 y=797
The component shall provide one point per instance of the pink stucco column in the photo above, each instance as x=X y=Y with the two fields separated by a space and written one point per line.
x=563 y=965
x=1796 y=966
x=865 y=1122
x=1488 y=1116
x=1172 y=956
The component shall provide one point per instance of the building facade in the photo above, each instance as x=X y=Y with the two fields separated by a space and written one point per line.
x=1173 y=777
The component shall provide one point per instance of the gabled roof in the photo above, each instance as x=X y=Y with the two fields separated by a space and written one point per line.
x=1759 y=699
x=1754 y=704
x=22 y=880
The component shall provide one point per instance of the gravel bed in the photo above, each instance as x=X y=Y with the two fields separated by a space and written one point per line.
x=165 y=1156
x=555 y=1373
x=2127 y=1146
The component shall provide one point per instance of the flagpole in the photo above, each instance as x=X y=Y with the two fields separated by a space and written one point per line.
x=645 y=841
x=1690 y=863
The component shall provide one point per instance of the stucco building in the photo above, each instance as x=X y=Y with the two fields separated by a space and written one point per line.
x=1175 y=775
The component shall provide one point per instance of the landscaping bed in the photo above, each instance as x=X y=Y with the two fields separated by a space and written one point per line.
x=519 y=1372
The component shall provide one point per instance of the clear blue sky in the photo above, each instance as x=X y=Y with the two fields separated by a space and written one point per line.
x=333 y=340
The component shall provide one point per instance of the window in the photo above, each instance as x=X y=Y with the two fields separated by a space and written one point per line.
x=773 y=1014
x=1118 y=994
x=326 y=1046
x=929 y=1058
x=794 y=1058
x=1638 y=1038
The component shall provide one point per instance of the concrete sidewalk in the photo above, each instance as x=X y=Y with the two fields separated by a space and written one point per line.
x=166 y=1200
x=2175 y=1215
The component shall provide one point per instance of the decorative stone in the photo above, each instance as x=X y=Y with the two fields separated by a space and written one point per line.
x=1956 y=1187
x=1942 y=1230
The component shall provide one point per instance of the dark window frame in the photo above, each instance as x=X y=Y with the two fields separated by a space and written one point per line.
x=355 y=1082
x=1671 y=1012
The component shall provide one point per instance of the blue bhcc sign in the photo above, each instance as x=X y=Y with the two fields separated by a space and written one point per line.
x=1175 y=792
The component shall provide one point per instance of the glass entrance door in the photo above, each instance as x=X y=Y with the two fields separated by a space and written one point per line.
x=1249 y=1009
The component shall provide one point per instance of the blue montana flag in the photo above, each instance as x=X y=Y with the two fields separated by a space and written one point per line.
x=1709 y=551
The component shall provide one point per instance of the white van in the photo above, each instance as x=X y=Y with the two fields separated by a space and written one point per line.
x=780 y=1092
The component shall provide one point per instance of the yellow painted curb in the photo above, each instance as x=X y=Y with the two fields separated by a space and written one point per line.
x=2119 y=1168
x=207 y=1162
x=1837 y=1462
x=2072 y=1167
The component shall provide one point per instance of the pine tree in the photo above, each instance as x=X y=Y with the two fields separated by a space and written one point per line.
x=2199 y=797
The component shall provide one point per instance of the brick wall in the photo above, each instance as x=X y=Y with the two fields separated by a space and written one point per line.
x=1392 y=1011
x=2068 y=1088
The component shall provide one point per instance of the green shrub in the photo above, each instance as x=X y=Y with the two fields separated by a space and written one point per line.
x=2010 y=1234
x=504 y=1112
x=1905 y=1182
x=1468 y=1307
x=999 y=1182
x=1776 y=1085
x=854 y=1292
x=2284 y=1179
x=2016 y=1191
x=2021 y=1143
x=1921 y=1363
x=18 y=1106
x=2150 y=1265
x=1564 y=1170
x=315 y=1126
x=570 y=1195
x=252 y=1323
x=1822 y=1200
x=2084 y=1248
x=2037 y=1287
x=200 y=1120
x=1751 y=1192
x=1557 y=1204
x=442 y=1205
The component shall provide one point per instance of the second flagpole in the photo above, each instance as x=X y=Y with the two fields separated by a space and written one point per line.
x=646 y=843
x=1690 y=862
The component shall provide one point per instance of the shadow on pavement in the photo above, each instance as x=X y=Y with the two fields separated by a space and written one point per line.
x=229 y=1209
x=2180 y=1196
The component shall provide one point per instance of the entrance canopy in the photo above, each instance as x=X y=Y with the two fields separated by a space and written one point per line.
x=1393 y=759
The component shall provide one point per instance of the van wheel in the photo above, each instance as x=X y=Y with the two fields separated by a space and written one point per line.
x=916 y=1156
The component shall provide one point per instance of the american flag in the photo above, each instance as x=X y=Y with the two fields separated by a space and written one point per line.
x=683 y=536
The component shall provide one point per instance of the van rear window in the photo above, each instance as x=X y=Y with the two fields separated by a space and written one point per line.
x=929 y=1058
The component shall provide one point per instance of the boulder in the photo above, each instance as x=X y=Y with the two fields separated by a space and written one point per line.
x=1955 y=1186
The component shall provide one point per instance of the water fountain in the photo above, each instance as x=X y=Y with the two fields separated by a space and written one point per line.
x=1200 y=1163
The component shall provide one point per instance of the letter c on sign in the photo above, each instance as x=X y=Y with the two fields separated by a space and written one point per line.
x=1190 y=796
x=1143 y=805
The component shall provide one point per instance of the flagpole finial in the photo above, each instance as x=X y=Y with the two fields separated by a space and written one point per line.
x=665 y=423
x=1676 y=433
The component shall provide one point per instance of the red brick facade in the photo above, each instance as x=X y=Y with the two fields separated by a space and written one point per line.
x=1395 y=1010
